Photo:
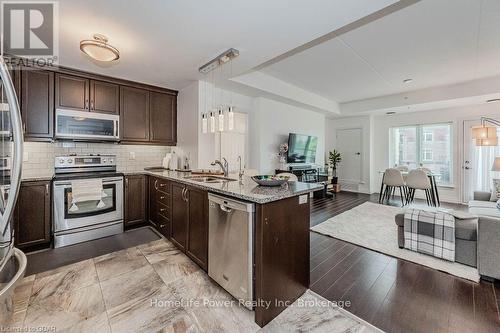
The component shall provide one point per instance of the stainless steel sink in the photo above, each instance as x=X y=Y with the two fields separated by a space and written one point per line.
x=210 y=179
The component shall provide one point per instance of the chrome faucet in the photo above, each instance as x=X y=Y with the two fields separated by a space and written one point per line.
x=241 y=172
x=224 y=167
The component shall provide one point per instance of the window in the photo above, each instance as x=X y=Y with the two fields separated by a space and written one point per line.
x=428 y=146
x=426 y=154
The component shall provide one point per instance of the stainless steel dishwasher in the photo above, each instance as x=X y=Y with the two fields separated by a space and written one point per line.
x=230 y=246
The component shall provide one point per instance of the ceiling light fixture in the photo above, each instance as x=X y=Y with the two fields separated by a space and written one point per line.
x=407 y=80
x=99 y=49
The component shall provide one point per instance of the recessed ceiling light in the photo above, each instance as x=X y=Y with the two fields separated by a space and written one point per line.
x=493 y=100
x=99 y=49
x=390 y=112
x=407 y=80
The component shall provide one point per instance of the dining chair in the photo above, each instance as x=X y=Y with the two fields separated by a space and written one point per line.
x=418 y=180
x=393 y=179
x=402 y=168
x=291 y=176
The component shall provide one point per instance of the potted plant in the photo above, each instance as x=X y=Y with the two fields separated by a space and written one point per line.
x=335 y=158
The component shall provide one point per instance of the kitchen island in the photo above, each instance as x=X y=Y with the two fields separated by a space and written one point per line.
x=281 y=231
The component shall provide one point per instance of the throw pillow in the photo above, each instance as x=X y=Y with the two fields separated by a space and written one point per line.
x=495 y=191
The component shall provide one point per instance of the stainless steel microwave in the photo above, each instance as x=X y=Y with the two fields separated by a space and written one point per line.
x=84 y=125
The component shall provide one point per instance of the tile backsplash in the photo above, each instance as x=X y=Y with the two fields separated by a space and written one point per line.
x=38 y=159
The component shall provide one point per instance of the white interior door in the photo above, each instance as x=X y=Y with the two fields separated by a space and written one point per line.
x=349 y=144
x=477 y=164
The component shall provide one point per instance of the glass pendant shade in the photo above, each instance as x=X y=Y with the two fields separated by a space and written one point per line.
x=204 y=124
x=230 y=119
x=221 y=121
x=212 y=122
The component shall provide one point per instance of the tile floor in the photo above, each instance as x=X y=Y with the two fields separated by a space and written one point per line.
x=153 y=288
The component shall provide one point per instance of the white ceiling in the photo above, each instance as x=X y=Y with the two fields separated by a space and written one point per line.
x=434 y=42
x=164 y=42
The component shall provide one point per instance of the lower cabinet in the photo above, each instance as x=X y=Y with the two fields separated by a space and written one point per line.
x=190 y=222
x=159 y=205
x=32 y=216
x=135 y=200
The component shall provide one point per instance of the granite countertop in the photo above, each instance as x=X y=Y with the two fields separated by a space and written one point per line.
x=247 y=189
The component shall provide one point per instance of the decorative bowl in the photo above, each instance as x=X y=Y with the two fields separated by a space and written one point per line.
x=270 y=180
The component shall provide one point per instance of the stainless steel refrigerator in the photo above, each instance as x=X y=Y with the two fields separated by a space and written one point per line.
x=12 y=260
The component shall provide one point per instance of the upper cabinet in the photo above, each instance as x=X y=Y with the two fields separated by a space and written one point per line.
x=104 y=97
x=72 y=92
x=163 y=118
x=134 y=107
x=37 y=104
x=78 y=93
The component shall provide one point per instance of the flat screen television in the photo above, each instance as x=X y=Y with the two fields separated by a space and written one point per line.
x=302 y=148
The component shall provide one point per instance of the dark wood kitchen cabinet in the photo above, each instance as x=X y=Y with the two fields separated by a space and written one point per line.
x=134 y=110
x=72 y=92
x=190 y=222
x=104 y=97
x=135 y=200
x=84 y=94
x=179 y=216
x=32 y=217
x=37 y=104
x=163 y=118
x=160 y=205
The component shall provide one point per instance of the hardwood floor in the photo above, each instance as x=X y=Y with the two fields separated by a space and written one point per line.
x=393 y=294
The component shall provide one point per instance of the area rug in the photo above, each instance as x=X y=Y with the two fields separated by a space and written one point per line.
x=372 y=226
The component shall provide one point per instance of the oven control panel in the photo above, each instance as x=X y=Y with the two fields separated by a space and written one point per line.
x=76 y=161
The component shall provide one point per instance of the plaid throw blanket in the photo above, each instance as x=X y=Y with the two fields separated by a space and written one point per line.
x=431 y=233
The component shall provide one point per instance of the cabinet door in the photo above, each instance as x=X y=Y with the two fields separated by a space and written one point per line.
x=135 y=199
x=163 y=118
x=179 y=216
x=72 y=92
x=153 y=206
x=32 y=216
x=134 y=109
x=104 y=97
x=37 y=105
x=197 y=245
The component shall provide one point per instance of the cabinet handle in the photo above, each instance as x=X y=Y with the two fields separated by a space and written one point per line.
x=162 y=210
x=47 y=189
x=156 y=184
x=86 y=104
x=162 y=226
x=186 y=195
x=183 y=192
x=92 y=105
x=126 y=182
x=24 y=127
x=162 y=197
x=163 y=185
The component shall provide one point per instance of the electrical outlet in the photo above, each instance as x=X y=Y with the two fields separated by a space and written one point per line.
x=132 y=155
x=26 y=156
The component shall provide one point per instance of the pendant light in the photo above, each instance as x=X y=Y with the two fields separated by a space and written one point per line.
x=484 y=134
x=230 y=118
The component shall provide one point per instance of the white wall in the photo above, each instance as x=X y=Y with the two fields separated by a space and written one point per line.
x=382 y=124
x=188 y=121
x=365 y=124
x=270 y=124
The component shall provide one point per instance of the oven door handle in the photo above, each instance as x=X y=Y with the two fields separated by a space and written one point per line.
x=68 y=183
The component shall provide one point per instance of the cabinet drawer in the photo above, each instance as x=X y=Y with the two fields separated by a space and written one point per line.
x=163 y=226
x=163 y=211
x=162 y=186
x=163 y=198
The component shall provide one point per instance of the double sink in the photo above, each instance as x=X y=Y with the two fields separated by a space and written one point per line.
x=210 y=179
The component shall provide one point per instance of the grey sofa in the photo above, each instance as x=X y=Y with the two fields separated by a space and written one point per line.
x=488 y=251
x=465 y=238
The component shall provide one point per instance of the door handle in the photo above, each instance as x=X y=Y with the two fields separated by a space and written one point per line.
x=47 y=189
x=225 y=209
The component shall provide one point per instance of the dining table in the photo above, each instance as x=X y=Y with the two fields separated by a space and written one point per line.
x=432 y=178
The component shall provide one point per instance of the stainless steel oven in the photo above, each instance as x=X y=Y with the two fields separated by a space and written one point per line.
x=94 y=218
x=84 y=125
